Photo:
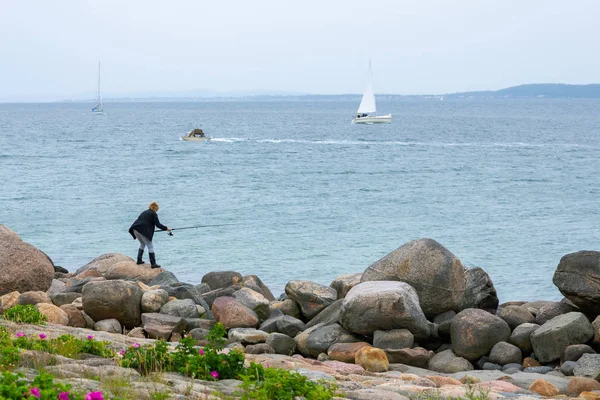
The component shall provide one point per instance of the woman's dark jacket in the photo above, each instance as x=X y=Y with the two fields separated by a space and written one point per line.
x=146 y=223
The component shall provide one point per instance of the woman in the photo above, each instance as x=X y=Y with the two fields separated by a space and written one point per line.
x=143 y=230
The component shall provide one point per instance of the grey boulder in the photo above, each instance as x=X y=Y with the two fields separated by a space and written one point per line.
x=437 y=275
x=474 y=332
x=384 y=305
x=552 y=338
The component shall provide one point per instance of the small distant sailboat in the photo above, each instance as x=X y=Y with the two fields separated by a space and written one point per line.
x=367 y=110
x=98 y=109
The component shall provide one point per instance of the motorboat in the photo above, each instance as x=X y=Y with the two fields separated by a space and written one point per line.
x=195 y=135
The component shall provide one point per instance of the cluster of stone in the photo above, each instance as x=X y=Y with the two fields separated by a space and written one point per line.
x=418 y=306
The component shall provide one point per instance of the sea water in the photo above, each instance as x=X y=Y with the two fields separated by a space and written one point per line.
x=507 y=185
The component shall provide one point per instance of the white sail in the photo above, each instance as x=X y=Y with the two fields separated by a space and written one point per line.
x=367 y=104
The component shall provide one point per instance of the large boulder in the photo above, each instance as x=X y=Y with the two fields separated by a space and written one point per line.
x=56 y=287
x=436 y=274
x=162 y=326
x=384 y=305
x=393 y=339
x=553 y=310
x=479 y=290
x=447 y=362
x=550 y=341
x=165 y=278
x=330 y=315
x=75 y=316
x=153 y=300
x=129 y=270
x=320 y=338
x=23 y=267
x=288 y=307
x=254 y=301
x=76 y=285
x=521 y=337
x=54 y=315
x=343 y=283
x=33 y=298
x=185 y=308
x=110 y=325
x=187 y=291
x=270 y=325
x=577 y=278
x=253 y=282
x=222 y=279
x=210 y=296
x=113 y=299
x=505 y=353
x=417 y=357
x=311 y=297
x=282 y=344
x=515 y=316
x=60 y=299
x=247 y=335
x=474 y=332
x=233 y=314
x=290 y=326
x=103 y=262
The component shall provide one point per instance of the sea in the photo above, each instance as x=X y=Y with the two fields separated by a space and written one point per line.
x=299 y=193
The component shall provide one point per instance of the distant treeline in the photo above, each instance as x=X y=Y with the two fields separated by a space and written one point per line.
x=551 y=90
x=534 y=90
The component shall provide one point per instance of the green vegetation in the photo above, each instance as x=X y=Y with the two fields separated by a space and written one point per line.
x=205 y=364
x=472 y=393
x=271 y=383
x=27 y=314
x=65 y=345
x=211 y=364
x=15 y=386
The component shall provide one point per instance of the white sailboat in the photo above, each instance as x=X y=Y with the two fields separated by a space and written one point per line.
x=367 y=110
x=98 y=109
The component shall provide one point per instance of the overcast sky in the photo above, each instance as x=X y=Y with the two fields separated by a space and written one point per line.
x=51 y=48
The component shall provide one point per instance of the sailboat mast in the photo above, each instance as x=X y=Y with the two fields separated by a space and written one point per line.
x=99 y=97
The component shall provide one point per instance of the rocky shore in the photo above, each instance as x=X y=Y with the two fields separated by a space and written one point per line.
x=414 y=324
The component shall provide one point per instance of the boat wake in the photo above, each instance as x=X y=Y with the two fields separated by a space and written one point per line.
x=336 y=142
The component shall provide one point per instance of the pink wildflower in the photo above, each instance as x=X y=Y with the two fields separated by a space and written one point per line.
x=214 y=374
x=94 y=396
x=63 y=396
x=43 y=336
x=122 y=352
x=20 y=334
x=35 y=392
x=201 y=352
x=135 y=345
x=91 y=337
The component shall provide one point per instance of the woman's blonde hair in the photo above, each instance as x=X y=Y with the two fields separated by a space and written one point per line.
x=153 y=206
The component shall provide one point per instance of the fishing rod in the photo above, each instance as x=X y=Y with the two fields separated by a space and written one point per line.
x=192 y=227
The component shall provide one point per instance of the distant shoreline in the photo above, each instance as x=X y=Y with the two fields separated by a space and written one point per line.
x=526 y=91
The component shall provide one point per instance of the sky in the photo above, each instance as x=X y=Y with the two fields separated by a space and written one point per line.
x=49 y=50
